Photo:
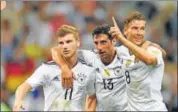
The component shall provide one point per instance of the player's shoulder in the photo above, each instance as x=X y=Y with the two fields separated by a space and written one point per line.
x=83 y=62
x=48 y=70
x=153 y=45
x=154 y=50
x=122 y=52
x=85 y=66
x=49 y=64
x=87 y=56
x=50 y=67
x=122 y=48
x=83 y=52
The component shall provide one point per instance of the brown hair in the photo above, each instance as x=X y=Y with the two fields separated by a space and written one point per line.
x=67 y=29
x=133 y=16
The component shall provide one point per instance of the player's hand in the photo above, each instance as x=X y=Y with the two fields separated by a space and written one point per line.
x=66 y=75
x=18 y=105
x=115 y=31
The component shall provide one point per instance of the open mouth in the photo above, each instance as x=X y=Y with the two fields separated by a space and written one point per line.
x=101 y=53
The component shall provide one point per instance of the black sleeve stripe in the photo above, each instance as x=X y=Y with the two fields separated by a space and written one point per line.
x=50 y=63
x=84 y=62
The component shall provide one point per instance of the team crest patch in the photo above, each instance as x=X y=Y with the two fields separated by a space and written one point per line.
x=81 y=78
x=117 y=70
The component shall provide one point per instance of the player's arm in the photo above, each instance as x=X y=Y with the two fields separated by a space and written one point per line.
x=20 y=95
x=90 y=103
x=139 y=52
x=66 y=75
x=35 y=80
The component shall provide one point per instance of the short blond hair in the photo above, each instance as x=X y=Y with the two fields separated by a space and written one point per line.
x=133 y=16
x=67 y=29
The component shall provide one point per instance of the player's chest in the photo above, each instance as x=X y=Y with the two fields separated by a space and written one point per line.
x=110 y=76
x=80 y=79
x=116 y=71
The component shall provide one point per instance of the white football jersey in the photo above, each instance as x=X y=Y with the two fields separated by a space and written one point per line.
x=144 y=82
x=110 y=82
x=57 y=98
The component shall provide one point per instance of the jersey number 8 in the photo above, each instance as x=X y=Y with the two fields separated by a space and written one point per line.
x=127 y=77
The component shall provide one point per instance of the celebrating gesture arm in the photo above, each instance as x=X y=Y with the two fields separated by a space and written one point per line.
x=139 y=52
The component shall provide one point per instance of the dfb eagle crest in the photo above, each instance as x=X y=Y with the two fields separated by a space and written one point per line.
x=81 y=78
x=117 y=70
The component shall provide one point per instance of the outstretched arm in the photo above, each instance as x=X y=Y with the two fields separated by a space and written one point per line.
x=67 y=77
x=19 y=96
x=139 y=52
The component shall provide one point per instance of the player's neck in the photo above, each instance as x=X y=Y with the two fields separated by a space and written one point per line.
x=71 y=62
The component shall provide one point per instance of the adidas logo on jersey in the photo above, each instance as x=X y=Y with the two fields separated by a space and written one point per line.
x=56 y=78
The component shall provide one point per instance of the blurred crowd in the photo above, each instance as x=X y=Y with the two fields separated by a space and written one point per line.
x=28 y=32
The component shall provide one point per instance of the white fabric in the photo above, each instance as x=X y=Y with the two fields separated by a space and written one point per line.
x=56 y=97
x=110 y=82
x=144 y=83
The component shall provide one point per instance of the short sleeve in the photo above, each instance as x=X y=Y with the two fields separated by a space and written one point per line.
x=37 y=78
x=90 y=85
x=87 y=56
x=156 y=52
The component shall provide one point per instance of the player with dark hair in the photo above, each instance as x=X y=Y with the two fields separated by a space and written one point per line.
x=111 y=62
x=110 y=83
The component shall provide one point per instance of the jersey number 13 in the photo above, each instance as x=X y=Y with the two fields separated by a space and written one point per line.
x=108 y=84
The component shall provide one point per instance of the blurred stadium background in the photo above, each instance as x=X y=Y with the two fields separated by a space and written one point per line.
x=28 y=32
